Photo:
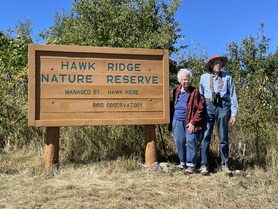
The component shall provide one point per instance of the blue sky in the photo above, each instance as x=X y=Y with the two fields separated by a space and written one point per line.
x=213 y=24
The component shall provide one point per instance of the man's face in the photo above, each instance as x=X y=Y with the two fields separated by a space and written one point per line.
x=216 y=66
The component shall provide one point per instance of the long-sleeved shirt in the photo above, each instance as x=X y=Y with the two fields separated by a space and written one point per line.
x=226 y=91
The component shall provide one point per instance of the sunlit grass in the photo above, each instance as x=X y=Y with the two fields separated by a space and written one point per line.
x=125 y=183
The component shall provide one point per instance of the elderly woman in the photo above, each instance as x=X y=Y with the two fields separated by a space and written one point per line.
x=187 y=121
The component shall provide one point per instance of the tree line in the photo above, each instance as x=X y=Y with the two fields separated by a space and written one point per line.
x=141 y=24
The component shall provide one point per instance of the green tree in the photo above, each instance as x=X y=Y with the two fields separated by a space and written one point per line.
x=127 y=24
x=135 y=24
x=193 y=57
x=255 y=75
x=14 y=87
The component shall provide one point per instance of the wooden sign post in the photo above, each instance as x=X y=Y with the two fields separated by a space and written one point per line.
x=91 y=86
x=150 y=140
x=51 y=153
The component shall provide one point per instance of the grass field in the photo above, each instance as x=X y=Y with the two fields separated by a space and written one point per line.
x=125 y=183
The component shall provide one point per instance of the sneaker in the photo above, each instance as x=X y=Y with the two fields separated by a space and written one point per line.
x=189 y=170
x=204 y=171
x=181 y=167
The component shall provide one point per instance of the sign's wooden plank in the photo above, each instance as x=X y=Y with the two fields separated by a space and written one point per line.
x=100 y=105
x=94 y=64
x=84 y=79
x=97 y=122
x=101 y=91
x=100 y=115
x=97 y=50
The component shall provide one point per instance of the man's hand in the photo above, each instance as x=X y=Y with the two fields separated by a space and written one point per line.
x=232 y=120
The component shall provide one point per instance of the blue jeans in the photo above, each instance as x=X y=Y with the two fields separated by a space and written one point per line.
x=220 y=113
x=186 y=144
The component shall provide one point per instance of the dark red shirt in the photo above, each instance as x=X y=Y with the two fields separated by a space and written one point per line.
x=194 y=106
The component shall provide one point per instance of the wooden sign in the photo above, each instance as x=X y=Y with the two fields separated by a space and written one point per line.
x=80 y=85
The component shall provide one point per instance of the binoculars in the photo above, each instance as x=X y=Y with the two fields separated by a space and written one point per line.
x=215 y=97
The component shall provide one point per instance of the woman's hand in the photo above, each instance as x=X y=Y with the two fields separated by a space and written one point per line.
x=190 y=127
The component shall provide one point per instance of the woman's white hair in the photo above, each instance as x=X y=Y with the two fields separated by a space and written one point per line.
x=184 y=71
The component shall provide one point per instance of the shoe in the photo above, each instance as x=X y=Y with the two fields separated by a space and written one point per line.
x=204 y=171
x=189 y=170
x=226 y=170
x=181 y=167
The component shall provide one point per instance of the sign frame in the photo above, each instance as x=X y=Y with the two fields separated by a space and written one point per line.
x=45 y=104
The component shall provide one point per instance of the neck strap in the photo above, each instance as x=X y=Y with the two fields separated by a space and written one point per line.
x=220 y=82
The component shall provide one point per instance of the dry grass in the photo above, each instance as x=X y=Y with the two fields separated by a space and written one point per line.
x=24 y=183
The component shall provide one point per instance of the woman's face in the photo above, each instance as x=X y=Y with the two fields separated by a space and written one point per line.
x=185 y=80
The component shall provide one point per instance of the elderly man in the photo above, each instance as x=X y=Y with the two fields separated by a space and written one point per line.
x=218 y=92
